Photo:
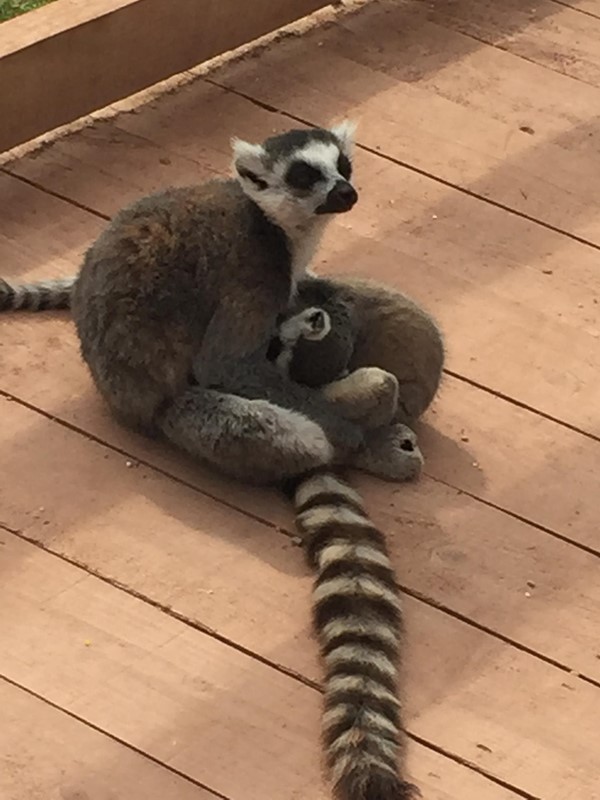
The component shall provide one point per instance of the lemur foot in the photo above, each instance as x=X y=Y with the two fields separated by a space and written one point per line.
x=368 y=395
x=391 y=453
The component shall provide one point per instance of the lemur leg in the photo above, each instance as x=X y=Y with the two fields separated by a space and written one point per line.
x=368 y=395
x=256 y=378
x=390 y=451
x=252 y=440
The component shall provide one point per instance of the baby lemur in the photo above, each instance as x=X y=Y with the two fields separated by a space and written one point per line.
x=352 y=327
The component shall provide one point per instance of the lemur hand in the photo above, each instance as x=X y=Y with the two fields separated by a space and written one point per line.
x=368 y=395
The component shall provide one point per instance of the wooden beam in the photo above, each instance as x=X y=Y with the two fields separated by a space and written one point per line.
x=71 y=58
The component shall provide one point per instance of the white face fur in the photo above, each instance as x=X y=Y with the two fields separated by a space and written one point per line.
x=299 y=176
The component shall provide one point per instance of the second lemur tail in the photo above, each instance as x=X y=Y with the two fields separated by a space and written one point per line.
x=40 y=296
x=357 y=617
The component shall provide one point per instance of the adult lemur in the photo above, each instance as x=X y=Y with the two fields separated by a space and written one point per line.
x=198 y=275
x=184 y=285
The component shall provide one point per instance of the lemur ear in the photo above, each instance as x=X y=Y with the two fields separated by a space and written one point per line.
x=344 y=132
x=248 y=161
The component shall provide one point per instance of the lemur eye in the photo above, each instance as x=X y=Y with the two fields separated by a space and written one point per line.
x=301 y=175
x=344 y=166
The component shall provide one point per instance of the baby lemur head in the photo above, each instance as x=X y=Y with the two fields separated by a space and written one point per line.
x=299 y=175
x=316 y=337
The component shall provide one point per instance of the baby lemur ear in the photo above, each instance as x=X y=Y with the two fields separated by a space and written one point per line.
x=248 y=162
x=344 y=132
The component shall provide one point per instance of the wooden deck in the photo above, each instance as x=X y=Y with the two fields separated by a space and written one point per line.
x=154 y=619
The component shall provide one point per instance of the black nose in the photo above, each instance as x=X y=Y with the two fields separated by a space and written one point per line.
x=342 y=196
x=345 y=192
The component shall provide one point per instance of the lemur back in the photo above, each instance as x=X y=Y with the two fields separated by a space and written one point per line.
x=150 y=296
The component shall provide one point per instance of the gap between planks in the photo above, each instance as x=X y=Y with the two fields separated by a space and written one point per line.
x=577 y=8
x=44 y=746
x=464 y=23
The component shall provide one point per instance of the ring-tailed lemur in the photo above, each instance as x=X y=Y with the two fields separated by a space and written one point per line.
x=356 y=602
x=202 y=273
x=361 y=724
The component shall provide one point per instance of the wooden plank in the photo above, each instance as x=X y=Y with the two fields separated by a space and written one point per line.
x=446 y=104
x=211 y=712
x=551 y=34
x=83 y=502
x=92 y=54
x=514 y=459
x=48 y=755
x=586 y=6
x=174 y=692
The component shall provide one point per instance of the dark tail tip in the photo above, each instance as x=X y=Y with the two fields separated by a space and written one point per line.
x=375 y=786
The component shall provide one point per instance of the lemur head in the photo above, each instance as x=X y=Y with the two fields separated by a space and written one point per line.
x=299 y=175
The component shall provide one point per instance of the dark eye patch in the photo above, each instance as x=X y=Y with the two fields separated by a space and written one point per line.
x=301 y=175
x=344 y=166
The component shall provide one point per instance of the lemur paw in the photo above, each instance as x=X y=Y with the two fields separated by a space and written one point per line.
x=391 y=453
x=368 y=395
x=312 y=323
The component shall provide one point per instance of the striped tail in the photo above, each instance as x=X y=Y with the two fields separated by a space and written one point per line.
x=357 y=617
x=41 y=296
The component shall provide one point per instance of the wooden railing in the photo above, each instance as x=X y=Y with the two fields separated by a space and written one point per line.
x=73 y=57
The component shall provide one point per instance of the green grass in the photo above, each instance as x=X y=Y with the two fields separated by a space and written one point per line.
x=12 y=8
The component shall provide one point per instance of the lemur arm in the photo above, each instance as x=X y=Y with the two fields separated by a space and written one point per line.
x=242 y=324
x=255 y=378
